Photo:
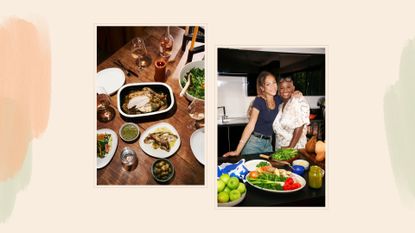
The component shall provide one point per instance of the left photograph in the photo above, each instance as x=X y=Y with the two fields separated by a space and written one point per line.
x=150 y=103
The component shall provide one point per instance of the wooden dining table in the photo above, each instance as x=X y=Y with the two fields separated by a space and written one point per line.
x=188 y=170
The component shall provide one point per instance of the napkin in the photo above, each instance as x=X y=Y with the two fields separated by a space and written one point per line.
x=233 y=169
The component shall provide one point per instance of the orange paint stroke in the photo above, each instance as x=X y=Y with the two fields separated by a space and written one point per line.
x=25 y=75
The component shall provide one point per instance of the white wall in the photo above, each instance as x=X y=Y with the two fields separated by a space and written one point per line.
x=232 y=93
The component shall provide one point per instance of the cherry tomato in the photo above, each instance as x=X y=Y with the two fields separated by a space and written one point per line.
x=287 y=187
x=253 y=174
x=289 y=181
x=296 y=185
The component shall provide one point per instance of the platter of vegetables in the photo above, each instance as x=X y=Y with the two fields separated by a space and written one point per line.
x=268 y=178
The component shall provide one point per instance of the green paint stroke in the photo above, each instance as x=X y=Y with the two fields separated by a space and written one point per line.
x=10 y=187
x=399 y=110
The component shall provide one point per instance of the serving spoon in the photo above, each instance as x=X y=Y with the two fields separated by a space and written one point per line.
x=186 y=86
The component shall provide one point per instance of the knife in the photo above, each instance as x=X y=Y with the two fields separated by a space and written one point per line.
x=118 y=63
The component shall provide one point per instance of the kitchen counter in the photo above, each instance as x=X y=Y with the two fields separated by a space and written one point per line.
x=306 y=197
x=233 y=121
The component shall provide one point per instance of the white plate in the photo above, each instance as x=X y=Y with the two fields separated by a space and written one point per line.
x=297 y=178
x=233 y=203
x=251 y=164
x=197 y=144
x=111 y=79
x=159 y=153
x=102 y=162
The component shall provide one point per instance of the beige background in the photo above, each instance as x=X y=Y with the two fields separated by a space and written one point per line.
x=364 y=41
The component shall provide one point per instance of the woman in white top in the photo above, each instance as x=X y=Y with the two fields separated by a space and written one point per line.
x=290 y=125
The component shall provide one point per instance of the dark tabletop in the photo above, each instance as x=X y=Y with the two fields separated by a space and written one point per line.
x=306 y=197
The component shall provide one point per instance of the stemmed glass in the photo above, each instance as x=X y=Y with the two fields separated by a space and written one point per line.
x=139 y=52
x=105 y=112
x=166 y=44
x=196 y=110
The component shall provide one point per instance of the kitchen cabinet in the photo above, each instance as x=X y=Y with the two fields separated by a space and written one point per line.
x=228 y=137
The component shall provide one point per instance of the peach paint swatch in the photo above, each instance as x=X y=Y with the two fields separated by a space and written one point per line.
x=25 y=75
x=399 y=110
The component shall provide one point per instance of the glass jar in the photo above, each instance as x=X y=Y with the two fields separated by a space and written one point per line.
x=315 y=177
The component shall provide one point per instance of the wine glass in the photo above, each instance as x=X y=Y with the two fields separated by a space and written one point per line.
x=139 y=52
x=196 y=110
x=105 y=112
x=166 y=44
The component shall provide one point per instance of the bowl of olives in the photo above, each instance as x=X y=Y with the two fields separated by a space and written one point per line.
x=162 y=170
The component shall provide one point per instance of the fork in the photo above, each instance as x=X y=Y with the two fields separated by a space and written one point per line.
x=129 y=72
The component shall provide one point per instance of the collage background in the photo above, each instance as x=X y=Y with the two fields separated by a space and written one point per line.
x=364 y=40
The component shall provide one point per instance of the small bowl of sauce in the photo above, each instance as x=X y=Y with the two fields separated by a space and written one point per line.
x=129 y=132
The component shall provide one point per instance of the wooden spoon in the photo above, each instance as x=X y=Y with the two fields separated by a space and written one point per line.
x=268 y=157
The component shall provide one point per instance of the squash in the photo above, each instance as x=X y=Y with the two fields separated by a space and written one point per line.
x=320 y=156
x=320 y=150
x=311 y=145
x=320 y=147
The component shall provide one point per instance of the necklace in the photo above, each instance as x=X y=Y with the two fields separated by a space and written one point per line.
x=270 y=104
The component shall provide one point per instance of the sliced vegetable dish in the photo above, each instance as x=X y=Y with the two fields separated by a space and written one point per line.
x=104 y=143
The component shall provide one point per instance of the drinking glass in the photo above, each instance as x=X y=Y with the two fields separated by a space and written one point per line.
x=196 y=110
x=105 y=112
x=166 y=44
x=139 y=52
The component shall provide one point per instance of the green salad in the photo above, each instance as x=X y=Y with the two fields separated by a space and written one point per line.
x=197 y=82
x=104 y=143
x=285 y=154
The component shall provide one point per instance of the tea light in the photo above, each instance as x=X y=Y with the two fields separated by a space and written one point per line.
x=129 y=159
x=160 y=70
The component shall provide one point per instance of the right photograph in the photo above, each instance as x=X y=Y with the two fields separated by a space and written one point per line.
x=271 y=127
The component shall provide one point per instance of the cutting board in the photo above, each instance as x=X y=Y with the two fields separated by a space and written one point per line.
x=311 y=157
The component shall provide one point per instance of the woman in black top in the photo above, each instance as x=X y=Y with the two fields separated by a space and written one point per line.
x=257 y=135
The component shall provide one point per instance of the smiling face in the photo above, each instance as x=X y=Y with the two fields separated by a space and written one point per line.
x=269 y=88
x=286 y=89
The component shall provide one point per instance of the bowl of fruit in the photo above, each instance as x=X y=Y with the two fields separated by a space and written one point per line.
x=231 y=191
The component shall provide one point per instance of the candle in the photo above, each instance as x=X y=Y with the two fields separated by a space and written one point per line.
x=194 y=37
x=160 y=70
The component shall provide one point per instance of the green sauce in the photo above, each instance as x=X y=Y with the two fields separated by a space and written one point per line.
x=315 y=177
x=129 y=132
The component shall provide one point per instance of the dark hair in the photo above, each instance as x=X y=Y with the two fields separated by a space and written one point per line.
x=260 y=81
